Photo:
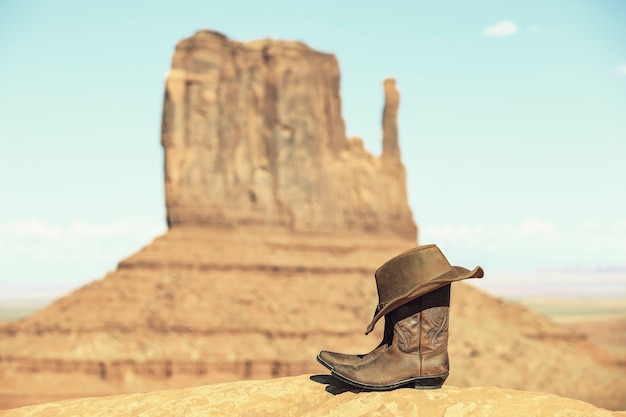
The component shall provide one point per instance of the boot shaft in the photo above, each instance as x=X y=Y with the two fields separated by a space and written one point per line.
x=421 y=330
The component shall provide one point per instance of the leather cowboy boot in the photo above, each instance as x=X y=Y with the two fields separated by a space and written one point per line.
x=331 y=359
x=402 y=282
x=417 y=355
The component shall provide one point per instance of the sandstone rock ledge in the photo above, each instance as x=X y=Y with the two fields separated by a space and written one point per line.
x=318 y=395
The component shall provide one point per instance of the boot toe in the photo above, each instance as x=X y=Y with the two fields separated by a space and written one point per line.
x=330 y=359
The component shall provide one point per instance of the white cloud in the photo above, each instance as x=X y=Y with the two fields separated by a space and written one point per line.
x=533 y=243
x=85 y=229
x=501 y=29
x=35 y=252
x=621 y=69
x=527 y=228
x=467 y=235
x=534 y=227
x=619 y=226
x=38 y=230
x=122 y=228
x=34 y=228
x=33 y=240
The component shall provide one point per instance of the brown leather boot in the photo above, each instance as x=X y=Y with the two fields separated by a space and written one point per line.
x=417 y=355
x=331 y=359
x=414 y=297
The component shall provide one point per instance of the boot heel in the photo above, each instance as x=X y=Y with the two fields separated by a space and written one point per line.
x=434 y=382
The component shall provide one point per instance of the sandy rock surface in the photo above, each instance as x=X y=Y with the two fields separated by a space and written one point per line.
x=318 y=395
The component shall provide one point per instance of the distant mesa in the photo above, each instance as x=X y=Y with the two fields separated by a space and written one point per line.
x=253 y=134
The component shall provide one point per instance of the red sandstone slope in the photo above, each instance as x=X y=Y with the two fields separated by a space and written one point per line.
x=196 y=306
x=206 y=305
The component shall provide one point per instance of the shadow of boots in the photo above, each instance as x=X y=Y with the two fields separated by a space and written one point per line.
x=334 y=386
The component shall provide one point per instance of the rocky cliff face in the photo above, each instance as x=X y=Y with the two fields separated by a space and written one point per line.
x=253 y=134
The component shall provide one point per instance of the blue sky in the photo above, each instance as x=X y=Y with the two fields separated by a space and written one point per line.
x=512 y=124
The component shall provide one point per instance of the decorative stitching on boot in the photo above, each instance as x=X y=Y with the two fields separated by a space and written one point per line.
x=436 y=320
x=407 y=332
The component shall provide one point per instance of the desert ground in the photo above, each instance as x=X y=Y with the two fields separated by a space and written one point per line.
x=11 y=309
x=603 y=320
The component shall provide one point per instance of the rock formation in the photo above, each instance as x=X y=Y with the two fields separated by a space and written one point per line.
x=320 y=395
x=253 y=134
x=391 y=150
x=277 y=225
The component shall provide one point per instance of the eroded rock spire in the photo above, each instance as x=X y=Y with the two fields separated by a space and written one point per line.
x=253 y=134
x=391 y=149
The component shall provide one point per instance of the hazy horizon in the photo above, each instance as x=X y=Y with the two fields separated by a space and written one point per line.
x=511 y=286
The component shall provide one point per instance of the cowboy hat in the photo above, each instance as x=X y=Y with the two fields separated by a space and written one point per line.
x=412 y=274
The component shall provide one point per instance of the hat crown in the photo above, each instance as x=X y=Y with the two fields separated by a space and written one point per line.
x=410 y=269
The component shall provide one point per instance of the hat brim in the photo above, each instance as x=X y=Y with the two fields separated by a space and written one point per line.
x=457 y=273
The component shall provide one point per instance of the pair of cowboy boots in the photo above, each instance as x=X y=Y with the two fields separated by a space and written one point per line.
x=414 y=298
